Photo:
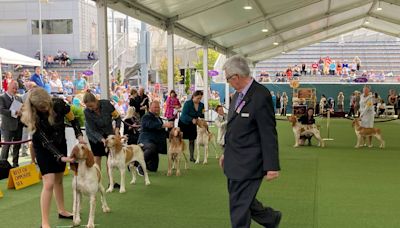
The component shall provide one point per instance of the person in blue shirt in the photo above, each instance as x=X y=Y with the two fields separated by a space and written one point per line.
x=80 y=84
x=37 y=77
x=192 y=110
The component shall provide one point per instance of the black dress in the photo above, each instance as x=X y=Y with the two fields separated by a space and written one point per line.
x=49 y=141
x=133 y=133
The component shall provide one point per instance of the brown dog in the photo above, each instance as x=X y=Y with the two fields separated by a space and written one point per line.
x=362 y=132
x=175 y=151
x=308 y=130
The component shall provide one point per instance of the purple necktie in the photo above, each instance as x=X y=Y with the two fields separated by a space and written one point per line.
x=239 y=99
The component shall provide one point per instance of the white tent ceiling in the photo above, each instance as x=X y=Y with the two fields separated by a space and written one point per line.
x=228 y=28
x=10 y=57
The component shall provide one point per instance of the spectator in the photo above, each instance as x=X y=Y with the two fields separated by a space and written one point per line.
x=37 y=77
x=278 y=103
x=332 y=68
x=340 y=102
x=172 y=106
x=91 y=56
x=143 y=100
x=46 y=83
x=284 y=103
x=11 y=126
x=357 y=61
x=21 y=84
x=55 y=83
x=80 y=84
x=381 y=107
x=153 y=136
x=273 y=101
x=68 y=86
x=77 y=110
x=7 y=80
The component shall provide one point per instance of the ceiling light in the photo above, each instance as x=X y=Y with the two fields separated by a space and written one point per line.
x=275 y=43
x=366 y=22
x=283 y=52
x=248 y=6
x=264 y=30
x=379 y=8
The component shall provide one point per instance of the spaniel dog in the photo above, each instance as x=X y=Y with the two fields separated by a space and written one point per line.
x=204 y=137
x=304 y=130
x=362 y=132
x=87 y=180
x=120 y=157
x=175 y=151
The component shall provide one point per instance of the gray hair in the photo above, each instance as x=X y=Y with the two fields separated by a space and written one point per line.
x=236 y=65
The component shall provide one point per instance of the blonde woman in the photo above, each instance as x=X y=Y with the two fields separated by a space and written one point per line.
x=131 y=125
x=44 y=118
x=367 y=113
x=340 y=101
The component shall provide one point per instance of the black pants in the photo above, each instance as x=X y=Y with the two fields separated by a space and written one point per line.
x=8 y=137
x=244 y=206
x=151 y=158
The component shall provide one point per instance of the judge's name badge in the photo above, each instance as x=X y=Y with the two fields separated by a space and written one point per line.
x=245 y=115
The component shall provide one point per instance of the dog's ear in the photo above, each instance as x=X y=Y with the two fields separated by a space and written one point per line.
x=74 y=166
x=89 y=157
x=171 y=134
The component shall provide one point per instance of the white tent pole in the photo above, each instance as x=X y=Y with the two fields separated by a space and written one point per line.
x=40 y=35
x=205 y=75
x=170 y=57
x=103 y=49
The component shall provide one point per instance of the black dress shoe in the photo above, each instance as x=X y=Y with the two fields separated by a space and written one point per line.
x=278 y=217
x=60 y=216
x=192 y=160
x=116 y=185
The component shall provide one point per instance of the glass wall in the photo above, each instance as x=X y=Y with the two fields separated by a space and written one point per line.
x=58 y=26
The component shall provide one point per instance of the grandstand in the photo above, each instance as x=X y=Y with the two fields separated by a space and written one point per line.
x=378 y=52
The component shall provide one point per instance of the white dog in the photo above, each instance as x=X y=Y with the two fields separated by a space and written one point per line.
x=308 y=130
x=120 y=156
x=87 y=180
x=204 y=137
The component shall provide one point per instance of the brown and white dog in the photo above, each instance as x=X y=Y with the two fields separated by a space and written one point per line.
x=204 y=137
x=304 y=130
x=120 y=157
x=87 y=180
x=362 y=132
x=175 y=151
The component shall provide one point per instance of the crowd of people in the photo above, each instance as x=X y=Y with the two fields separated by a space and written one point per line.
x=347 y=71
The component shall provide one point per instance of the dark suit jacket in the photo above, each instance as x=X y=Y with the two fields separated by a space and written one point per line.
x=251 y=147
x=8 y=123
x=153 y=132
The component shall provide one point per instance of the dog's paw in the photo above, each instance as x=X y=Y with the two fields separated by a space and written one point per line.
x=205 y=162
x=109 y=190
x=169 y=173
x=122 y=190
x=133 y=182
x=76 y=222
x=178 y=173
x=147 y=182
x=197 y=162
x=295 y=146
x=106 y=210
x=90 y=226
x=356 y=146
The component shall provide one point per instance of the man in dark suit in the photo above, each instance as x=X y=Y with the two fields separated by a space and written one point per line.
x=11 y=126
x=251 y=147
x=153 y=136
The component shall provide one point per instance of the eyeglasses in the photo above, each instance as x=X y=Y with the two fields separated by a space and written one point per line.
x=230 y=77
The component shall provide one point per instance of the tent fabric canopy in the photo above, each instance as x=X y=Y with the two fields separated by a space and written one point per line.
x=10 y=57
x=230 y=29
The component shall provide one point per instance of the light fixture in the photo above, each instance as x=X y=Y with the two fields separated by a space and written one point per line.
x=366 y=22
x=248 y=6
x=379 y=8
x=283 y=50
x=275 y=43
x=265 y=29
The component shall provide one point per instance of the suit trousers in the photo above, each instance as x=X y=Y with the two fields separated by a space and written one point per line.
x=244 y=206
x=9 y=136
x=151 y=158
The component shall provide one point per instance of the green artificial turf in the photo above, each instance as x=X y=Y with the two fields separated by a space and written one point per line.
x=333 y=187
